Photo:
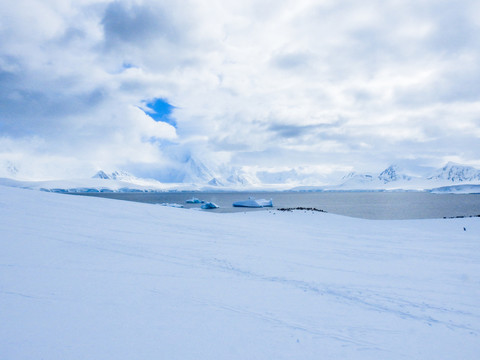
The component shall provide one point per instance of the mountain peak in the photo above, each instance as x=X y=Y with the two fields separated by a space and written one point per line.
x=456 y=173
x=116 y=175
x=354 y=178
x=392 y=174
x=101 y=175
x=349 y=175
x=215 y=182
x=195 y=171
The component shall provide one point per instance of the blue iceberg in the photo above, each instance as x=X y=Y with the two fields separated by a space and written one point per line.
x=254 y=203
x=194 y=200
x=209 y=205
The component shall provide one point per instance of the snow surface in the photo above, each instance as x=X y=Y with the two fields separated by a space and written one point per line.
x=92 y=278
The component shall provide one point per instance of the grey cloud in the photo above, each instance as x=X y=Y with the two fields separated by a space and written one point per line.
x=295 y=131
x=278 y=156
x=454 y=31
x=70 y=35
x=372 y=49
x=291 y=131
x=291 y=60
x=452 y=85
x=360 y=95
x=226 y=144
x=273 y=133
x=25 y=108
x=460 y=84
x=136 y=24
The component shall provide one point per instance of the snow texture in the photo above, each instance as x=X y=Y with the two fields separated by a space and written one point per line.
x=91 y=278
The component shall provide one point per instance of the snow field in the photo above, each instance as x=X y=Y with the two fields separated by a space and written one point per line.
x=84 y=277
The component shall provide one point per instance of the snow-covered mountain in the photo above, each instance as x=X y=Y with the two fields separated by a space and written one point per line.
x=354 y=178
x=299 y=176
x=197 y=176
x=101 y=175
x=239 y=177
x=196 y=172
x=279 y=177
x=394 y=178
x=116 y=175
x=388 y=178
x=453 y=172
x=392 y=174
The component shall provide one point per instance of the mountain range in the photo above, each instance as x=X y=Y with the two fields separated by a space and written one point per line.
x=451 y=173
x=196 y=176
x=393 y=178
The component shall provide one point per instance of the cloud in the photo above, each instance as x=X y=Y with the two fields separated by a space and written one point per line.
x=259 y=85
x=291 y=60
x=137 y=24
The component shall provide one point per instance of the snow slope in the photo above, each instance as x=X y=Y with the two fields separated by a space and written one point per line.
x=91 y=278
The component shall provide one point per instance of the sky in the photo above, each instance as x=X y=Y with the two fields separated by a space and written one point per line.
x=276 y=89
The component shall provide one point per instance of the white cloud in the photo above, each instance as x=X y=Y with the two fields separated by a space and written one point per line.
x=321 y=85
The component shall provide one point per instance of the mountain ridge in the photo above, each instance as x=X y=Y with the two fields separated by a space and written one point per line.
x=456 y=173
x=393 y=178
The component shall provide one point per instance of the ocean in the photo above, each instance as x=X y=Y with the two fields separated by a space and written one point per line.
x=366 y=205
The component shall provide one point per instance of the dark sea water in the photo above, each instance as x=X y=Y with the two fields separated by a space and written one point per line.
x=367 y=205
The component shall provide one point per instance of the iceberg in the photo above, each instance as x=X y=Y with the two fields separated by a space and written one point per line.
x=172 y=205
x=194 y=200
x=209 y=205
x=253 y=203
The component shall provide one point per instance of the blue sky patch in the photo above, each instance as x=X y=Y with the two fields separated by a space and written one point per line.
x=160 y=110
